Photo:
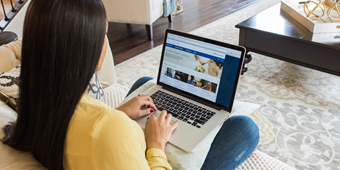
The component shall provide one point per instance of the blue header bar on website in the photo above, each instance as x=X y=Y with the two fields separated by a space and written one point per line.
x=204 y=47
x=195 y=52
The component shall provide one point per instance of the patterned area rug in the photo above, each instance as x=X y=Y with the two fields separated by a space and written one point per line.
x=299 y=118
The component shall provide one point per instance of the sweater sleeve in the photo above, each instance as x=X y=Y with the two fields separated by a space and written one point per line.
x=157 y=159
x=119 y=143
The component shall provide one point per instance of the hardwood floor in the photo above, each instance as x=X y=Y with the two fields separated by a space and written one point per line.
x=129 y=40
x=7 y=6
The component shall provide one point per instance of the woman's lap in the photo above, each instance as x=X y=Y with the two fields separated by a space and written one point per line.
x=233 y=144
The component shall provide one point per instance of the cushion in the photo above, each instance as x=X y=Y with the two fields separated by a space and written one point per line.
x=10 y=55
x=261 y=161
x=244 y=108
x=9 y=85
x=11 y=159
x=6 y=115
x=107 y=74
x=115 y=94
x=95 y=89
x=156 y=4
x=169 y=7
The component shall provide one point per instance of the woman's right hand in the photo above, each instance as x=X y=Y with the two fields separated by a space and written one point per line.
x=158 y=130
x=197 y=57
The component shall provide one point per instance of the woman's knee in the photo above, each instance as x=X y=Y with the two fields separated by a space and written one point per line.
x=145 y=78
x=139 y=83
x=247 y=126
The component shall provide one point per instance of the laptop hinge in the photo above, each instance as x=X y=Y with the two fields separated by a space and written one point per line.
x=192 y=97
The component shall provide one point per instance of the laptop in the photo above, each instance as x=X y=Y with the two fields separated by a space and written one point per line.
x=196 y=83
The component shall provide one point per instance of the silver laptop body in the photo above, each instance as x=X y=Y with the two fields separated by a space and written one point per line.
x=184 y=83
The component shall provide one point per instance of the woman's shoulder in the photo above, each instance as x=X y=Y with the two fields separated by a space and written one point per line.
x=112 y=126
x=90 y=119
x=94 y=110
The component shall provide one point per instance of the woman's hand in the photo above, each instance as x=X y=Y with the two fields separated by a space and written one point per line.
x=158 y=130
x=197 y=57
x=133 y=107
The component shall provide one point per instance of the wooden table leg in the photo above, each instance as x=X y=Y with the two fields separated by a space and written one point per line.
x=247 y=59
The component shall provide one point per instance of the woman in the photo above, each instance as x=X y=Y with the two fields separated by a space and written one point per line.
x=63 y=45
x=208 y=87
x=211 y=67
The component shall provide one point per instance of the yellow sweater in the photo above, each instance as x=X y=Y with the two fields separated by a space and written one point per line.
x=101 y=138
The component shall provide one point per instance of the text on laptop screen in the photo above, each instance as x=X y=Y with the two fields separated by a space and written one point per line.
x=203 y=69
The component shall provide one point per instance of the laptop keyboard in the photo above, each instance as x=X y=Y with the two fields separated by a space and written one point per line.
x=181 y=109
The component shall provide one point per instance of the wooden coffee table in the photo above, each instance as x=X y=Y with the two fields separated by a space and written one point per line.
x=276 y=34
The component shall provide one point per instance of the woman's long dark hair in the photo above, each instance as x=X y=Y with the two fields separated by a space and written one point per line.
x=62 y=44
x=219 y=64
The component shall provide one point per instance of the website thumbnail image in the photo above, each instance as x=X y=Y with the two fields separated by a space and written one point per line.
x=188 y=59
x=191 y=80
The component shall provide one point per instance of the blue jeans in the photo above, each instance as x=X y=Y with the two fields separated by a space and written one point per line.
x=233 y=144
x=138 y=83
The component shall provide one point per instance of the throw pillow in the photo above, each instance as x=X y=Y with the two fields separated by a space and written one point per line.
x=114 y=94
x=95 y=89
x=9 y=85
x=169 y=7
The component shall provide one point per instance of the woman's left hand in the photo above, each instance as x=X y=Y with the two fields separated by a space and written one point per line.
x=133 y=107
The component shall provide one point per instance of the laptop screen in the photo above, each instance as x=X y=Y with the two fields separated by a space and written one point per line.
x=200 y=68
